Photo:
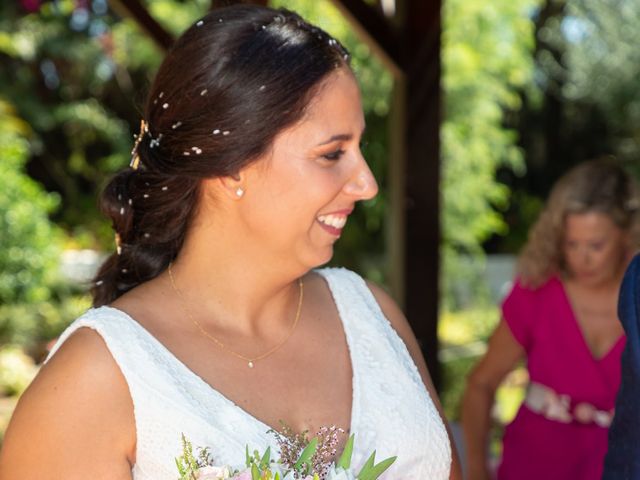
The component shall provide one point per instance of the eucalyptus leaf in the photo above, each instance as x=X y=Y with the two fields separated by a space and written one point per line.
x=374 y=472
x=266 y=458
x=307 y=453
x=368 y=464
x=345 y=459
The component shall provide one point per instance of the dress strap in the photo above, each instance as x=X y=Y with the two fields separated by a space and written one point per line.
x=388 y=389
x=111 y=325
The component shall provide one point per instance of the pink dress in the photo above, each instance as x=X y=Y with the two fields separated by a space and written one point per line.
x=536 y=448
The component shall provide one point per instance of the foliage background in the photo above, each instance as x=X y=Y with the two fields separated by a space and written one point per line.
x=487 y=61
x=531 y=87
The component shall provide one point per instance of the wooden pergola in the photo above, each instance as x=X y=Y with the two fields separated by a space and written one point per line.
x=405 y=34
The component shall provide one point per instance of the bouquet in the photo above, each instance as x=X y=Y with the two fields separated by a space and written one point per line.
x=301 y=459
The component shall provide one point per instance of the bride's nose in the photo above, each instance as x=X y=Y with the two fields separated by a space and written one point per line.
x=362 y=184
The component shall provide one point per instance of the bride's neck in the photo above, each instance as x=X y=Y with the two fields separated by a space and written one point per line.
x=219 y=282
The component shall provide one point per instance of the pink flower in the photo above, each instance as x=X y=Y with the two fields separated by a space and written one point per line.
x=244 y=475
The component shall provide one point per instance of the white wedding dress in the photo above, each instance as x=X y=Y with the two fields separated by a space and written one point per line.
x=392 y=411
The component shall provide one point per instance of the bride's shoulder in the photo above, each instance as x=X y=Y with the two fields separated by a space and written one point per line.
x=79 y=379
x=77 y=393
x=84 y=355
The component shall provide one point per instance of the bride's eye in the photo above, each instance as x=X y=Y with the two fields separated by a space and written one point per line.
x=333 y=156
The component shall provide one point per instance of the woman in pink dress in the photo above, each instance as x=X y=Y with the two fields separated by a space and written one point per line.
x=560 y=317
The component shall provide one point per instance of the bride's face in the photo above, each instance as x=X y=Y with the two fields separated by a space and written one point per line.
x=299 y=196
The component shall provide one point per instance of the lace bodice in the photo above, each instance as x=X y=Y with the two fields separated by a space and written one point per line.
x=391 y=411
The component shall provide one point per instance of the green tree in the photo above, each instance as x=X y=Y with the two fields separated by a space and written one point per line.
x=74 y=73
x=588 y=103
x=486 y=59
x=35 y=303
x=30 y=245
x=601 y=67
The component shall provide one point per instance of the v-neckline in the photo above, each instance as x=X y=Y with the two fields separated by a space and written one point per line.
x=222 y=397
x=579 y=330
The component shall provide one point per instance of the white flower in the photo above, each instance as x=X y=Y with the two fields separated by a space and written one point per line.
x=340 y=474
x=213 y=473
x=275 y=468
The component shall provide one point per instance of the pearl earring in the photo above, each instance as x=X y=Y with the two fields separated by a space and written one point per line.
x=239 y=192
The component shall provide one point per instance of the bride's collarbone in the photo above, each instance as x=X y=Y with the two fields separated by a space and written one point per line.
x=301 y=404
x=311 y=372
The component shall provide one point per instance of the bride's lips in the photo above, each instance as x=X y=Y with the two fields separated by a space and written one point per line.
x=335 y=221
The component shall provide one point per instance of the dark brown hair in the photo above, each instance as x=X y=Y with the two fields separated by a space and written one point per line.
x=229 y=85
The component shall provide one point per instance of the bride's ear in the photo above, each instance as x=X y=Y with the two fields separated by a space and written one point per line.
x=232 y=185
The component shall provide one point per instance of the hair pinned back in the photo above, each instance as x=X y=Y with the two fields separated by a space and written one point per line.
x=229 y=85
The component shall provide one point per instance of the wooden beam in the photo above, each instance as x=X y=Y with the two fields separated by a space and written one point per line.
x=375 y=30
x=223 y=3
x=396 y=225
x=421 y=54
x=136 y=10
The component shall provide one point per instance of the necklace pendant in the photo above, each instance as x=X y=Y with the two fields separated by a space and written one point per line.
x=250 y=364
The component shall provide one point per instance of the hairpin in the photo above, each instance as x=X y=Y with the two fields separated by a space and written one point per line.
x=135 y=157
x=118 y=240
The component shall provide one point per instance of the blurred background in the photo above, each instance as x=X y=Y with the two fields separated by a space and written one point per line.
x=528 y=88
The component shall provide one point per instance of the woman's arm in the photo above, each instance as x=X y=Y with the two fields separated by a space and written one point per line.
x=75 y=421
x=402 y=327
x=502 y=355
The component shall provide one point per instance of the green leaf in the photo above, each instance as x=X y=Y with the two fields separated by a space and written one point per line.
x=255 y=473
x=181 y=469
x=307 y=453
x=368 y=464
x=377 y=470
x=266 y=458
x=345 y=459
x=187 y=464
x=247 y=456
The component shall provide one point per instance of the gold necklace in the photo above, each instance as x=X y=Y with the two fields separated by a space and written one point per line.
x=250 y=360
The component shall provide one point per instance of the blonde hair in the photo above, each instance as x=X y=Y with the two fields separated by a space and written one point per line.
x=600 y=185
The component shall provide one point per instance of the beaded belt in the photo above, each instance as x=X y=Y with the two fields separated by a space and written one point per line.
x=543 y=400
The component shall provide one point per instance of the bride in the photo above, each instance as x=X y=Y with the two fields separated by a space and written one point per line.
x=210 y=319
